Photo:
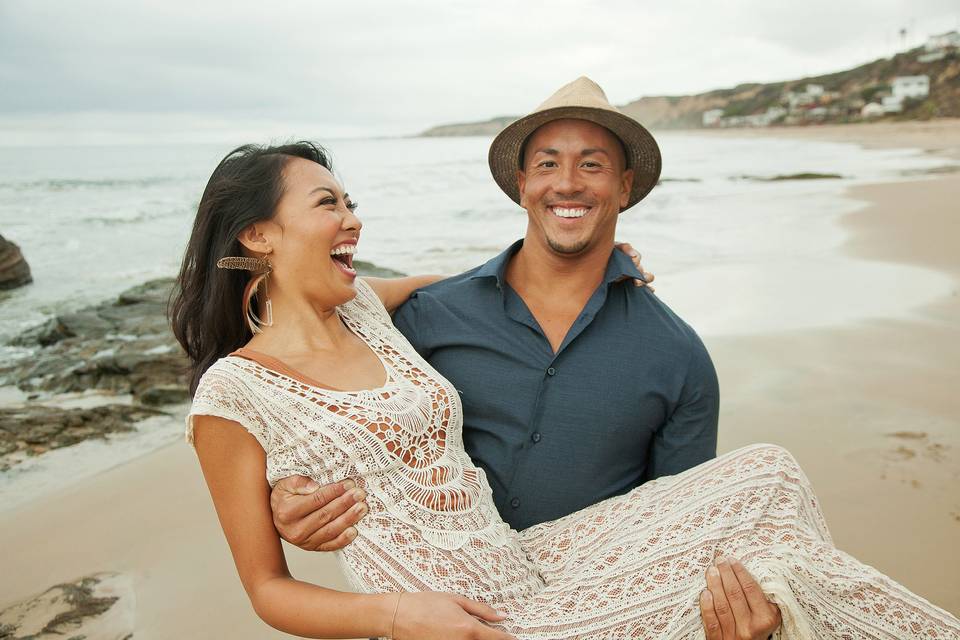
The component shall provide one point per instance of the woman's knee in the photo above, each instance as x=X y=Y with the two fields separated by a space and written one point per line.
x=778 y=456
x=766 y=457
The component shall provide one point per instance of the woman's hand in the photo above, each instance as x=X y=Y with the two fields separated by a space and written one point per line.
x=429 y=615
x=648 y=277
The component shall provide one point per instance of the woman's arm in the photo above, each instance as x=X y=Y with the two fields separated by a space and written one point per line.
x=393 y=292
x=233 y=464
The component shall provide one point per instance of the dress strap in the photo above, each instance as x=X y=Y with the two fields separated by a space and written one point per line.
x=278 y=366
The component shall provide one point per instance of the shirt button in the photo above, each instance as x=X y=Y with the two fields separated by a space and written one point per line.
x=551 y=371
x=515 y=503
x=535 y=437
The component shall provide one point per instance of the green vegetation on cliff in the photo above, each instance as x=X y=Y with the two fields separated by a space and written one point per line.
x=844 y=95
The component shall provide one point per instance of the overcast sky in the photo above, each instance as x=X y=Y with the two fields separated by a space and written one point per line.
x=357 y=68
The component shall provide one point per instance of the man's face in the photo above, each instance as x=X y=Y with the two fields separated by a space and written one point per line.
x=573 y=185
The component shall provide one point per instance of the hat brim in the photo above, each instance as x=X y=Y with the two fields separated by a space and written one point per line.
x=643 y=154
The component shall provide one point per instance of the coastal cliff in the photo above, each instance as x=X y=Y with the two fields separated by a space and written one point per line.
x=838 y=98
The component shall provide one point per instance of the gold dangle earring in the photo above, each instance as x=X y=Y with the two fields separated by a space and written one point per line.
x=261 y=268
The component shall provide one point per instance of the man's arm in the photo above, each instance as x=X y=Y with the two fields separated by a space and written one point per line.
x=689 y=436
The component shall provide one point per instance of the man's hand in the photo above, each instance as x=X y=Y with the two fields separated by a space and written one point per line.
x=317 y=518
x=733 y=607
x=648 y=277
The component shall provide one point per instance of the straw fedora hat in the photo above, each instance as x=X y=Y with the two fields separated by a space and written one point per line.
x=582 y=99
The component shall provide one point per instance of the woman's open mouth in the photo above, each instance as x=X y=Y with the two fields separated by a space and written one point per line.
x=342 y=256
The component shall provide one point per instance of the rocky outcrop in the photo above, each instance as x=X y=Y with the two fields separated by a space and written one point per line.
x=370 y=269
x=14 y=270
x=32 y=429
x=101 y=606
x=123 y=346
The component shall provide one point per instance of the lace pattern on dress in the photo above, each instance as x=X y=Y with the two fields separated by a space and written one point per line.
x=397 y=437
x=631 y=566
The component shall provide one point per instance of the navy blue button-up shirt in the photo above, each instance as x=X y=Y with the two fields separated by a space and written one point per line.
x=631 y=394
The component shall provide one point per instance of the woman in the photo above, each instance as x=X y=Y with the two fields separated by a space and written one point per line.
x=315 y=372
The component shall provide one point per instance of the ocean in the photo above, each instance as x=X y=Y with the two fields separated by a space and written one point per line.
x=733 y=254
x=92 y=221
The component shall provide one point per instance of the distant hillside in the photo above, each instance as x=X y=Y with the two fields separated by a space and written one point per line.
x=490 y=127
x=844 y=95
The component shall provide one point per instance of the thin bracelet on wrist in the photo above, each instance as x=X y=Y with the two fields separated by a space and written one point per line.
x=393 y=625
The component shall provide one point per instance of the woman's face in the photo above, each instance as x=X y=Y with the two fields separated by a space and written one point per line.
x=312 y=236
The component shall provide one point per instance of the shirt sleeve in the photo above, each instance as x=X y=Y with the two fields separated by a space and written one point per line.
x=222 y=395
x=412 y=322
x=689 y=436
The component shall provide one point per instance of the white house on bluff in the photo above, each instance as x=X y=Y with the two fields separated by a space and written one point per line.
x=712 y=117
x=904 y=88
x=911 y=87
x=943 y=41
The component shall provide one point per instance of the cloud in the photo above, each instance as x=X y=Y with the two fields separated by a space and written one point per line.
x=381 y=67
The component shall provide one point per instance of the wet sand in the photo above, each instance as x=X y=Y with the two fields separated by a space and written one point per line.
x=869 y=410
x=940 y=137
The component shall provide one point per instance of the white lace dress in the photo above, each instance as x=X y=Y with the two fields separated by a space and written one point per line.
x=629 y=567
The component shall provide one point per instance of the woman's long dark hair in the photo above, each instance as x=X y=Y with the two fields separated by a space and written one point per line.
x=205 y=309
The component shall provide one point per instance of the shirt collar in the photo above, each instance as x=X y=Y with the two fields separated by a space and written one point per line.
x=497 y=267
x=619 y=266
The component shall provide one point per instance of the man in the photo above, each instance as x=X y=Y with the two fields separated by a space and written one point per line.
x=576 y=385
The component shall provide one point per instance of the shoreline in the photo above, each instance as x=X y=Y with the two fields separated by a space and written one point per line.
x=870 y=414
x=850 y=402
x=937 y=136
x=869 y=410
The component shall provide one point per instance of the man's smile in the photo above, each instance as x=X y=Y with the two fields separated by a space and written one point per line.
x=569 y=211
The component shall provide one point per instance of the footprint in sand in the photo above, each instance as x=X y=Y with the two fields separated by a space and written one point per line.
x=920 y=444
x=907 y=445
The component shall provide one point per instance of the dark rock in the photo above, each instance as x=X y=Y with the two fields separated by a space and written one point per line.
x=124 y=346
x=665 y=180
x=14 y=270
x=154 y=291
x=101 y=605
x=372 y=270
x=164 y=394
x=88 y=324
x=795 y=176
x=51 y=331
x=809 y=175
x=35 y=428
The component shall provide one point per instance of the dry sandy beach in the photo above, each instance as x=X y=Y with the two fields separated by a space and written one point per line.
x=869 y=410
